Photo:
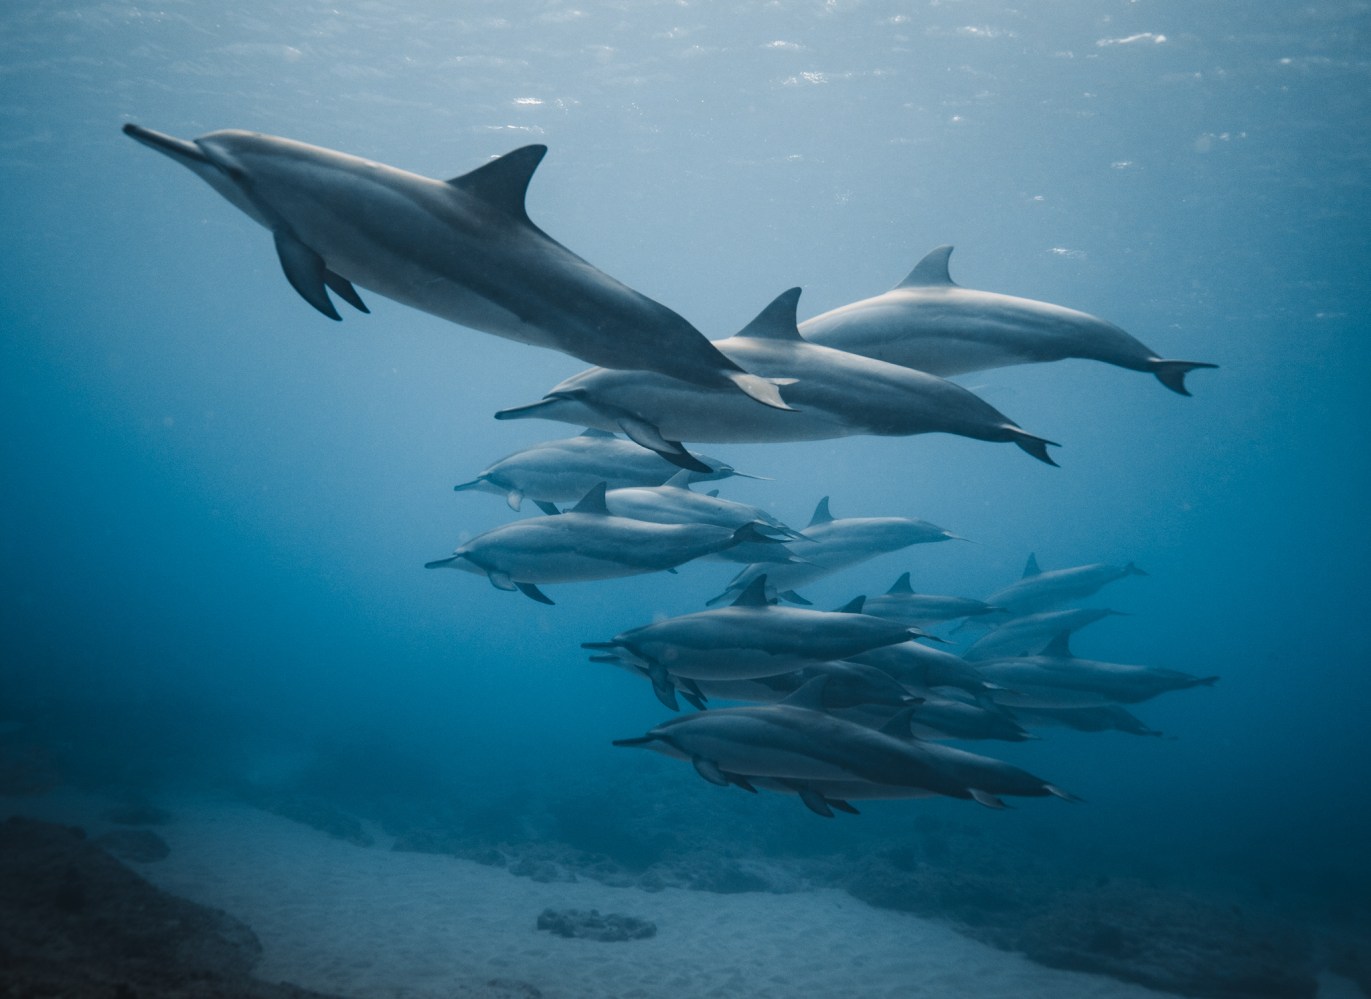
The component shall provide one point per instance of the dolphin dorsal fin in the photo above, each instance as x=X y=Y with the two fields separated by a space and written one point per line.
x=681 y=480
x=594 y=432
x=931 y=271
x=593 y=501
x=754 y=595
x=776 y=321
x=899 y=725
x=853 y=606
x=1030 y=568
x=809 y=694
x=901 y=585
x=503 y=182
x=712 y=494
x=821 y=514
x=1060 y=646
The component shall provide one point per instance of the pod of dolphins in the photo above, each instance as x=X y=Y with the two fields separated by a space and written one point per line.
x=842 y=705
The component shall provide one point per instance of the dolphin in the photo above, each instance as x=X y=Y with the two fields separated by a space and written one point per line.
x=918 y=666
x=849 y=685
x=1026 y=636
x=835 y=393
x=1040 y=591
x=463 y=249
x=564 y=470
x=922 y=610
x=585 y=543
x=1055 y=670
x=673 y=502
x=749 y=639
x=929 y=323
x=830 y=544
x=936 y=717
x=797 y=742
x=1101 y=718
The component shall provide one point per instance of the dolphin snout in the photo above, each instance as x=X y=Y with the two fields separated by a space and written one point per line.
x=177 y=149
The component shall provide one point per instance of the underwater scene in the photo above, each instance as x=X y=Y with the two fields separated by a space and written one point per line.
x=905 y=464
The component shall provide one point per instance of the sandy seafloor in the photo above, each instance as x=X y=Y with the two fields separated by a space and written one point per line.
x=373 y=922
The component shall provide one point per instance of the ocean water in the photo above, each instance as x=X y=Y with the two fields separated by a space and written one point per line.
x=218 y=504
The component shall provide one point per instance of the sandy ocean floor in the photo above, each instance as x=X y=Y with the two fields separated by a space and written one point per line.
x=367 y=921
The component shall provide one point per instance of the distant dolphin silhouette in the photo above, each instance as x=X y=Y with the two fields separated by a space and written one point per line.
x=463 y=249
x=930 y=323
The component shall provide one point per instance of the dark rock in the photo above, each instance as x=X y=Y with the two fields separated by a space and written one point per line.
x=140 y=845
x=593 y=926
x=75 y=922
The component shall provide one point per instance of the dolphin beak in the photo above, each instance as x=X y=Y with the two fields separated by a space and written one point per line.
x=177 y=149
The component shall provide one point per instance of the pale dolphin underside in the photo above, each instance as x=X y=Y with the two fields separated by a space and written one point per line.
x=463 y=249
x=930 y=323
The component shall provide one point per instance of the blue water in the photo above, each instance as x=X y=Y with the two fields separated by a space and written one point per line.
x=217 y=503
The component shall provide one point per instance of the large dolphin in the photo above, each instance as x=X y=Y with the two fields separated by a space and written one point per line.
x=835 y=393
x=564 y=470
x=751 y=638
x=585 y=543
x=929 y=323
x=463 y=249
x=831 y=544
x=1036 y=680
x=922 y=610
x=1040 y=591
x=796 y=742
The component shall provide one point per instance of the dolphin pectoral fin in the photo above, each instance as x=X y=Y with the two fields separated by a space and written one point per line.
x=1172 y=373
x=764 y=390
x=501 y=581
x=305 y=271
x=843 y=806
x=548 y=508
x=644 y=434
x=533 y=593
x=1032 y=444
x=343 y=288
x=709 y=770
x=738 y=780
x=795 y=598
x=662 y=686
x=514 y=499
x=814 y=801
x=986 y=798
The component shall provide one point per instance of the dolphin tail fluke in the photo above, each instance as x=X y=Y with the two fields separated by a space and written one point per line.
x=764 y=390
x=1034 y=445
x=1172 y=373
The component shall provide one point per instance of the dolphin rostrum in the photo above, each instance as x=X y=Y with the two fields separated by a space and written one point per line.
x=586 y=543
x=463 y=249
x=834 y=393
x=929 y=323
